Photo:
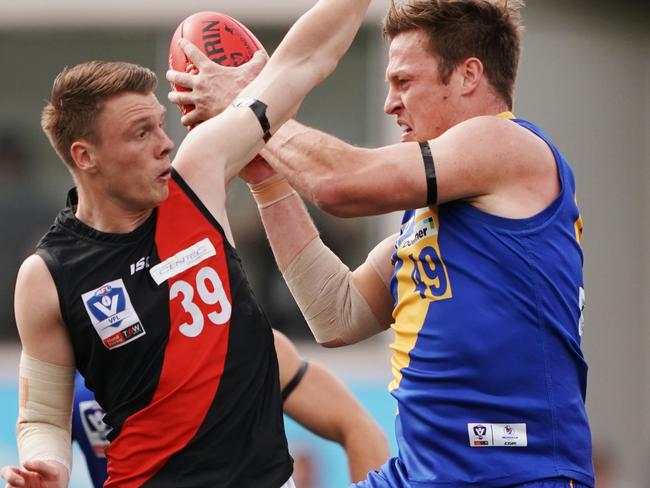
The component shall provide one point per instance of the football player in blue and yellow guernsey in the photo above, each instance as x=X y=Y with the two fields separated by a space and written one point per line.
x=483 y=284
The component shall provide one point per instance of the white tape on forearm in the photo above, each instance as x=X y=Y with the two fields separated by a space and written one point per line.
x=43 y=430
x=271 y=191
x=331 y=304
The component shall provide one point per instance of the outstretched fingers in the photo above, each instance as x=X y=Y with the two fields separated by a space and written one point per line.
x=206 y=88
x=178 y=78
x=13 y=476
x=45 y=469
x=194 y=54
x=195 y=117
x=34 y=474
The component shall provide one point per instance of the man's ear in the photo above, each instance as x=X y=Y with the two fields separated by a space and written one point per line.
x=471 y=71
x=83 y=155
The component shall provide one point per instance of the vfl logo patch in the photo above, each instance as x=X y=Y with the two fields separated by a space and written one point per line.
x=480 y=431
x=497 y=435
x=96 y=430
x=112 y=314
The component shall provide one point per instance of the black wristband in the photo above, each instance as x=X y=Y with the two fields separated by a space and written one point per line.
x=430 y=172
x=297 y=378
x=259 y=109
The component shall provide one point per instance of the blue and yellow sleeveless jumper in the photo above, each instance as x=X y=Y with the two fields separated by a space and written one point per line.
x=488 y=372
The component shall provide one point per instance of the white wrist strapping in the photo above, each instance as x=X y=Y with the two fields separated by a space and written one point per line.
x=271 y=191
x=43 y=430
x=331 y=304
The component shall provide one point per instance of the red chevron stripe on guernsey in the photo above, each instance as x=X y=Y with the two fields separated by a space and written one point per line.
x=194 y=356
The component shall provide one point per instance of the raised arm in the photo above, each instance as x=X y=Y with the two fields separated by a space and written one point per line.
x=340 y=306
x=346 y=180
x=470 y=160
x=46 y=383
x=218 y=149
x=322 y=404
x=472 y=163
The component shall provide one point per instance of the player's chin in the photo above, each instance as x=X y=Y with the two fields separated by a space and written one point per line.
x=160 y=192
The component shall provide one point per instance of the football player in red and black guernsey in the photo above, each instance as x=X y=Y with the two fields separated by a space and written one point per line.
x=311 y=395
x=138 y=284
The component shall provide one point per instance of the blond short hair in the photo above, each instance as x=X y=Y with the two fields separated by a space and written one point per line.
x=77 y=96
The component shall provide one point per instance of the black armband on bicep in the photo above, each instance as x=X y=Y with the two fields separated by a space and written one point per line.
x=430 y=172
x=259 y=109
x=295 y=381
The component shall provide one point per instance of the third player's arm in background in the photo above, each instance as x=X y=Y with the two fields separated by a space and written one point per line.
x=322 y=404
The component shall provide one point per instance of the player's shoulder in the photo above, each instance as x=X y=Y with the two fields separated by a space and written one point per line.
x=36 y=297
x=35 y=286
x=503 y=142
x=33 y=272
x=491 y=130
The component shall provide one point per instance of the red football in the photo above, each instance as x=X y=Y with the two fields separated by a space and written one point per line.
x=224 y=40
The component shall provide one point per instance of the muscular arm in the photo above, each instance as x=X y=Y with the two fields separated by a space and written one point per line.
x=208 y=158
x=493 y=163
x=346 y=180
x=46 y=382
x=340 y=306
x=322 y=404
x=38 y=318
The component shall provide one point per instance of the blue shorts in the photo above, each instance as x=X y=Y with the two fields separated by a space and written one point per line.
x=377 y=480
x=393 y=475
x=551 y=483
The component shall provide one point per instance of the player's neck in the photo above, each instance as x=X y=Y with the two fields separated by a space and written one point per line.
x=106 y=215
x=482 y=102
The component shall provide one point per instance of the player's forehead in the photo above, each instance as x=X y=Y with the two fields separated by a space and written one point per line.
x=409 y=53
x=129 y=106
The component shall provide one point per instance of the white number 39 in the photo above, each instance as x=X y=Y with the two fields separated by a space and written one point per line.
x=210 y=295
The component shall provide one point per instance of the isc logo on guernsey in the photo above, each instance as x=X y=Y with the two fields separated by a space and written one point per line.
x=139 y=265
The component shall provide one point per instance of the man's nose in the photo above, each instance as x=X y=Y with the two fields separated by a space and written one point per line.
x=393 y=102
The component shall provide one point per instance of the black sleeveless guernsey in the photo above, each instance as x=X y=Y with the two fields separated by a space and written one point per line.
x=168 y=335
